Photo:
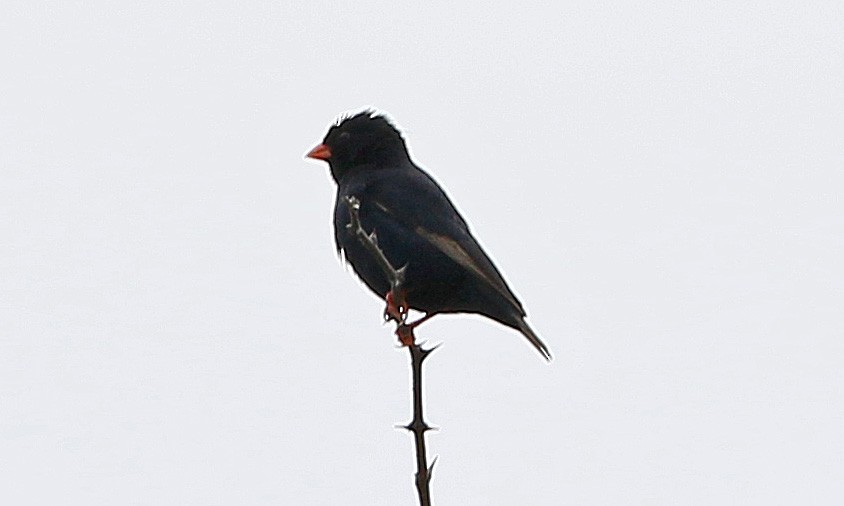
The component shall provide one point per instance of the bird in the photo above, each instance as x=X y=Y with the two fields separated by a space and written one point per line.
x=416 y=225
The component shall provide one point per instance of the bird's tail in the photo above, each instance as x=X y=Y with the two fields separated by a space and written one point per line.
x=534 y=339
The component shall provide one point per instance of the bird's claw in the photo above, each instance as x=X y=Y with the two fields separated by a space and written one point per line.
x=396 y=308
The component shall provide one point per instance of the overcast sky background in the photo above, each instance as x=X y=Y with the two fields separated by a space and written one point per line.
x=661 y=185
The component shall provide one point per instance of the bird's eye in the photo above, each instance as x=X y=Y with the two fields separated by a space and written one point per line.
x=344 y=135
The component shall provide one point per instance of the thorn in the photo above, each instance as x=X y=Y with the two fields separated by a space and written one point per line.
x=400 y=274
x=417 y=426
x=423 y=353
x=431 y=467
x=410 y=427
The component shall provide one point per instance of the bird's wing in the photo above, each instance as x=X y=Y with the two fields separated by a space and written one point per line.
x=420 y=206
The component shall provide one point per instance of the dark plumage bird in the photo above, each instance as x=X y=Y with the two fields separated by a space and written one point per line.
x=416 y=225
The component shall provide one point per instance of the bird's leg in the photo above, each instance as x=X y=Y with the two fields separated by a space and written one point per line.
x=405 y=335
x=405 y=330
x=422 y=320
x=397 y=310
x=396 y=307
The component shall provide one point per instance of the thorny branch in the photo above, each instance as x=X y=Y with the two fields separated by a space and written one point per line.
x=397 y=311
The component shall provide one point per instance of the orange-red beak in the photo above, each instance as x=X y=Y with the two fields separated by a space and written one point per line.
x=321 y=152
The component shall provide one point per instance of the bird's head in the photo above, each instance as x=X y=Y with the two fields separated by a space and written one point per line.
x=364 y=139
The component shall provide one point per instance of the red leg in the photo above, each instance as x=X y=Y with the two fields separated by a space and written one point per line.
x=405 y=335
x=396 y=307
x=422 y=320
x=405 y=330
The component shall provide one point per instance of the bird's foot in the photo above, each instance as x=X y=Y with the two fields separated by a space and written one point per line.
x=396 y=308
x=405 y=330
x=405 y=334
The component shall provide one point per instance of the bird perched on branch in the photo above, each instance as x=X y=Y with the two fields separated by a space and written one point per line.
x=415 y=225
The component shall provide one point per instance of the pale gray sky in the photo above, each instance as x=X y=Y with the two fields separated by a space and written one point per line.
x=661 y=185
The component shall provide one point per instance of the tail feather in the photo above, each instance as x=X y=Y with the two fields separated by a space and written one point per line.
x=534 y=339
